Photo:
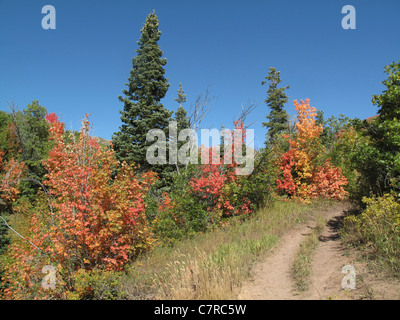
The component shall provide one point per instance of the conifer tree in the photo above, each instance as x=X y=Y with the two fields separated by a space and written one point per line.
x=181 y=115
x=143 y=110
x=277 y=118
x=182 y=122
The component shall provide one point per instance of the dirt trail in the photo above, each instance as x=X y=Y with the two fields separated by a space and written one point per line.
x=272 y=278
x=328 y=261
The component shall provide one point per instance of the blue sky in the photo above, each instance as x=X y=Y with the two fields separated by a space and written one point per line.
x=225 y=46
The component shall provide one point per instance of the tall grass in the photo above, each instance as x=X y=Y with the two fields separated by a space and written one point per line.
x=214 y=265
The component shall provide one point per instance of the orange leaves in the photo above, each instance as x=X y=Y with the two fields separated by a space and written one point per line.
x=10 y=173
x=93 y=214
x=306 y=127
x=301 y=175
x=99 y=222
x=329 y=182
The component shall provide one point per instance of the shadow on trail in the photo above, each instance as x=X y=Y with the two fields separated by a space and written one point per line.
x=334 y=226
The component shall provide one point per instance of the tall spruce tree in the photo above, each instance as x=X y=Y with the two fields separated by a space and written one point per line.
x=181 y=115
x=142 y=108
x=181 y=119
x=277 y=118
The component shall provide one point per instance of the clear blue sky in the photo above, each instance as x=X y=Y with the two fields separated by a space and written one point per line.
x=226 y=46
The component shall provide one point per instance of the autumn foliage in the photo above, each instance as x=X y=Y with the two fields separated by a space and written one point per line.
x=217 y=177
x=304 y=173
x=10 y=172
x=91 y=215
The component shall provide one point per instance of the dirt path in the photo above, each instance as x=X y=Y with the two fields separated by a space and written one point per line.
x=328 y=261
x=272 y=278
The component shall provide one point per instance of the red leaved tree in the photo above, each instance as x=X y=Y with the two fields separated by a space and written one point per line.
x=217 y=178
x=92 y=215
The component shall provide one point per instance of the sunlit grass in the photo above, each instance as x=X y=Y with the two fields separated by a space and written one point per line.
x=214 y=265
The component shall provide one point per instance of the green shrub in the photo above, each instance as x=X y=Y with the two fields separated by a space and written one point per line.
x=378 y=229
x=97 y=285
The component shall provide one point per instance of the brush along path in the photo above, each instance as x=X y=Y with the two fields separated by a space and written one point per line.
x=272 y=278
x=326 y=273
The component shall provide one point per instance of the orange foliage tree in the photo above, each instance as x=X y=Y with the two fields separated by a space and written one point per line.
x=91 y=217
x=10 y=172
x=304 y=173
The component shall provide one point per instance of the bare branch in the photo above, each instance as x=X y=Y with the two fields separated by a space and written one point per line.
x=246 y=110
x=18 y=234
x=198 y=112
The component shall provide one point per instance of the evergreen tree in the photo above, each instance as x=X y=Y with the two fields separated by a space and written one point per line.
x=326 y=134
x=181 y=96
x=181 y=114
x=277 y=118
x=182 y=122
x=142 y=108
x=320 y=119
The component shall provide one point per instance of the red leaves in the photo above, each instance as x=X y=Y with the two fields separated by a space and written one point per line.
x=216 y=179
x=210 y=182
x=99 y=222
x=51 y=117
x=287 y=182
x=91 y=220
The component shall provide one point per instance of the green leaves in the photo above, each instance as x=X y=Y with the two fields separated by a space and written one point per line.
x=389 y=101
x=376 y=153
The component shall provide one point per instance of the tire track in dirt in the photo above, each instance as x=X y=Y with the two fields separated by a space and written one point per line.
x=272 y=278
x=326 y=275
x=327 y=263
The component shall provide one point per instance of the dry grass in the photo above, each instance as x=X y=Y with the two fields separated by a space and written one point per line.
x=214 y=265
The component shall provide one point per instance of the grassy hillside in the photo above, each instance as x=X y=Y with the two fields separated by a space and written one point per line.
x=214 y=265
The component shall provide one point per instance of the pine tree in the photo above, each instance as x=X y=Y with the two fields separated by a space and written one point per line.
x=181 y=96
x=182 y=122
x=277 y=118
x=142 y=108
x=181 y=114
